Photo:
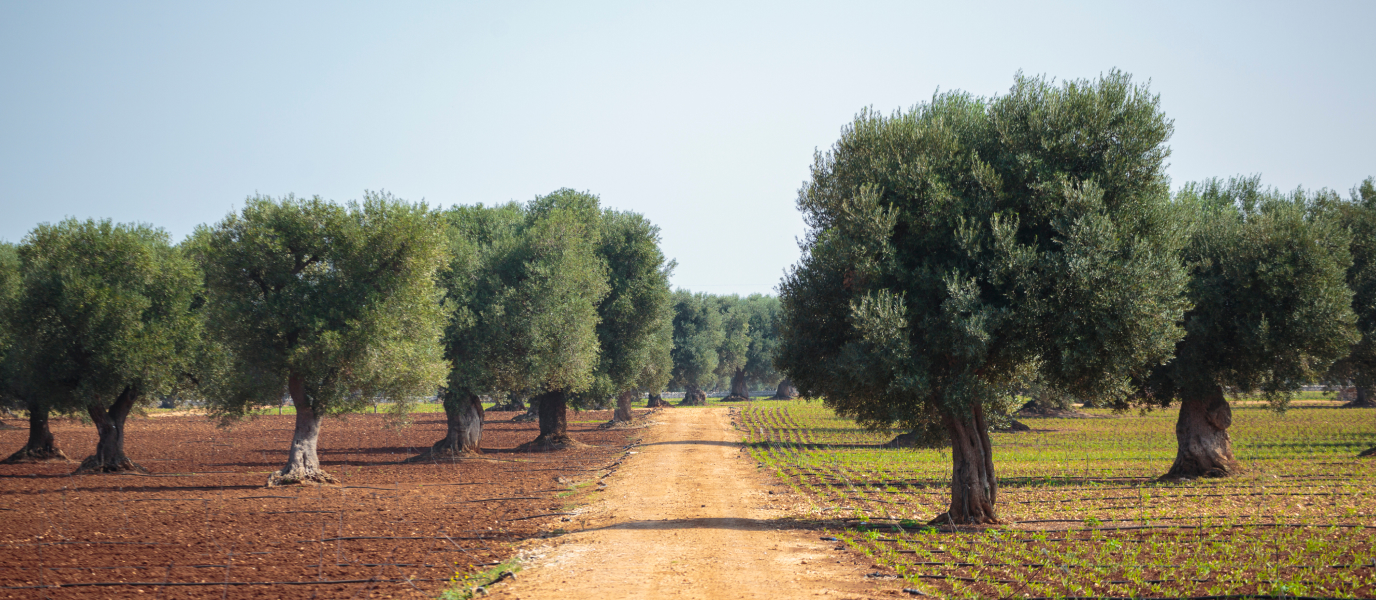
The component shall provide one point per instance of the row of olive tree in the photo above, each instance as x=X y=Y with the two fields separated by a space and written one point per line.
x=726 y=340
x=336 y=306
x=969 y=247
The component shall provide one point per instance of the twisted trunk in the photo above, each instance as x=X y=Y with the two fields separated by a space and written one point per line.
x=303 y=463
x=973 y=486
x=463 y=412
x=1203 y=448
x=554 y=420
x=42 y=446
x=740 y=392
x=786 y=390
x=623 y=412
x=109 y=456
x=656 y=401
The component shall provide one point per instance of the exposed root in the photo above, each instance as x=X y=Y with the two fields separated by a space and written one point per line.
x=735 y=399
x=550 y=444
x=29 y=456
x=1368 y=452
x=303 y=477
x=913 y=440
x=94 y=464
x=946 y=519
x=525 y=417
x=445 y=452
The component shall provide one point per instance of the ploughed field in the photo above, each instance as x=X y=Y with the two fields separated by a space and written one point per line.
x=203 y=525
x=1083 y=514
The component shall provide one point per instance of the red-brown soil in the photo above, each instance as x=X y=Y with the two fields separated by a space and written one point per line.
x=203 y=518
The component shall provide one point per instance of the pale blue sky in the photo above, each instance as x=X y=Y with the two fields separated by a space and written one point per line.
x=703 y=116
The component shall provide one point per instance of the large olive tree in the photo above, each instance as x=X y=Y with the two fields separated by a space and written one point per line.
x=963 y=246
x=335 y=304
x=1270 y=310
x=484 y=297
x=103 y=322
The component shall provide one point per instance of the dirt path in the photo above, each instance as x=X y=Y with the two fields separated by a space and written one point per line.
x=689 y=516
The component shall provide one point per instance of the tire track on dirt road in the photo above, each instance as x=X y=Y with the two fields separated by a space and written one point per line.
x=686 y=517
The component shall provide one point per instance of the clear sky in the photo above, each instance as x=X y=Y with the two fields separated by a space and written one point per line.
x=703 y=116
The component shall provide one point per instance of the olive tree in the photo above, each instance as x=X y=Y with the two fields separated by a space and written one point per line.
x=964 y=246
x=1270 y=310
x=478 y=288
x=698 y=337
x=16 y=391
x=633 y=347
x=559 y=270
x=103 y=322
x=734 y=351
x=1358 y=216
x=335 y=304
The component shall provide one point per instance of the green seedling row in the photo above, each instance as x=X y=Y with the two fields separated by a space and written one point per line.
x=1083 y=513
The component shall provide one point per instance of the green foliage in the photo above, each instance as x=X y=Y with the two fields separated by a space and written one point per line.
x=634 y=317
x=1270 y=304
x=102 y=309
x=967 y=245
x=1358 y=216
x=11 y=394
x=734 y=351
x=342 y=296
x=763 y=321
x=525 y=282
x=698 y=335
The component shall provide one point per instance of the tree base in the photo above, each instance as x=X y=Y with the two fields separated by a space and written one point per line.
x=1369 y=452
x=36 y=455
x=735 y=398
x=657 y=403
x=694 y=398
x=1037 y=410
x=946 y=519
x=444 y=451
x=1363 y=403
x=525 y=417
x=94 y=464
x=550 y=444
x=302 y=477
x=1195 y=471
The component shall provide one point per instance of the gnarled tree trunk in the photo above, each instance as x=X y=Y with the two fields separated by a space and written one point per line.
x=463 y=412
x=554 y=420
x=1203 y=448
x=623 y=412
x=42 y=446
x=739 y=391
x=109 y=456
x=692 y=396
x=656 y=401
x=786 y=390
x=303 y=463
x=973 y=486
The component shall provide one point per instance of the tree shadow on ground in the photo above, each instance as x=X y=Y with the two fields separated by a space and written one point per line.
x=737 y=524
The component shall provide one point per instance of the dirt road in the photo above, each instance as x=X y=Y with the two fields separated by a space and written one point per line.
x=689 y=516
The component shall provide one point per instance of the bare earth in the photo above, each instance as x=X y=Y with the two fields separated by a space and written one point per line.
x=689 y=516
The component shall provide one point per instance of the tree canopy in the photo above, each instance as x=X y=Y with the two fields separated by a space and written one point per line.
x=1270 y=310
x=334 y=304
x=965 y=245
x=107 y=323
